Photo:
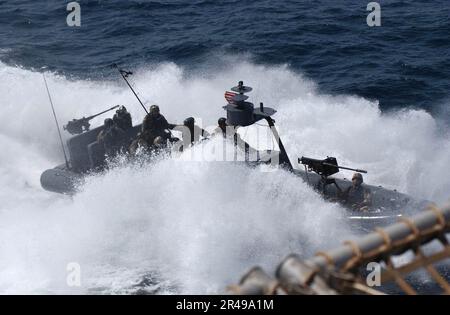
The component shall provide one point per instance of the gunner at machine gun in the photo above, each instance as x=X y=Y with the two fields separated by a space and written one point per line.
x=356 y=196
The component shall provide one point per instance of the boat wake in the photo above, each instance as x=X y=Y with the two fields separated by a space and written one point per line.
x=190 y=227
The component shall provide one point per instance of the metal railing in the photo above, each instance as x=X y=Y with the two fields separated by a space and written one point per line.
x=341 y=270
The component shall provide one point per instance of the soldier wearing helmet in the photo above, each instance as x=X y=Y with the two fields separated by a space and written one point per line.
x=122 y=119
x=191 y=133
x=195 y=132
x=155 y=125
x=221 y=128
x=357 y=196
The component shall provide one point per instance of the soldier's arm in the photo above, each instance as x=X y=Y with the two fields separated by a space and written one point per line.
x=164 y=123
x=145 y=123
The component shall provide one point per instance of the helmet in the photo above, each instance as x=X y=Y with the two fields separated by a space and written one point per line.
x=121 y=109
x=108 y=123
x=154 y=109
x=189 y=121
x=222 y=121
x=358 y=176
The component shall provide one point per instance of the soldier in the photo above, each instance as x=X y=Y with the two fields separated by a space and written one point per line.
x=194 y=130
x=122 y=118
x=221 y=128
x=111 y=137
x=155 y=125
x=230 y=133
x=357 y=196
x=191 y=133
x=107 y=124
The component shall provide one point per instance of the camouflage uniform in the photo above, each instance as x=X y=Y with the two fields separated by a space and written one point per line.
x=122 y=118
x=112 y=138
x=142 y=141
x=108 y=123
x=357 y=196
x=155 y=125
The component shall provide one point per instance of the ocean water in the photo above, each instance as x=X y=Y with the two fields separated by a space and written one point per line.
x=376 y=98
x=405 y=62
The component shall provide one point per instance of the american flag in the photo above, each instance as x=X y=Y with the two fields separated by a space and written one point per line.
x=229 y=96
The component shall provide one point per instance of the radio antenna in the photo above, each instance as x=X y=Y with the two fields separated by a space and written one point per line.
x=56 y=121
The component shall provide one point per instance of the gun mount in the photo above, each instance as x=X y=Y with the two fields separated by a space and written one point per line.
x=326 y=167
x=241 y=113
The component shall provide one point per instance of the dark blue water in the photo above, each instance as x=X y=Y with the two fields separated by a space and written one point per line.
x=405 y=62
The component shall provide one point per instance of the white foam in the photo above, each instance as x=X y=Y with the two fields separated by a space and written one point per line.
x=199 y=225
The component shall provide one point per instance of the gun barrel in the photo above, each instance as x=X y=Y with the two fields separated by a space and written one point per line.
x=101 y=113
x=347 y=168
x=324 y=167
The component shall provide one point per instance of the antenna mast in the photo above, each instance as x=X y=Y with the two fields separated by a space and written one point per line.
x=56 y=121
